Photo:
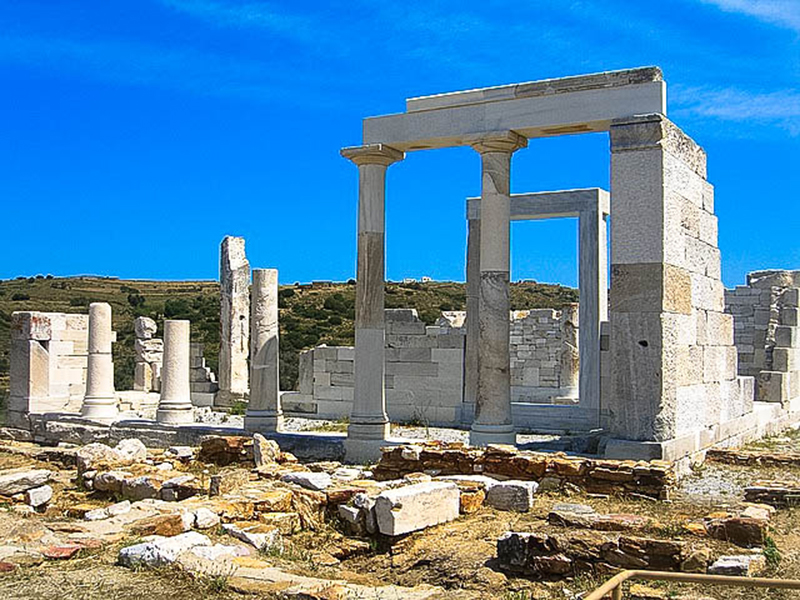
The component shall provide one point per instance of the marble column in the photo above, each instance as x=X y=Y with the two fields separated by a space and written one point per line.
x=369 y=424
x=100 y=403
x=234 y=296
x=264 y=408
x=175 y=404
x=593 y=289
x=471 y=321
x=492 y=423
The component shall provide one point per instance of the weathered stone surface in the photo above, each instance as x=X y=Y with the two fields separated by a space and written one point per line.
x=311 y=481
x=774 y=493
x=234 y=274
x=415 y=507
x=226 y=450
x=227 y=481
x=163 y=525
x=285 y=522
x=94 y=455
x=162 y=551
x=139 y=488
x=512 y=495
x=15 y=481
x=144 y=327
x=746 y=565
x=38 y=496
x=180 y=488
x=110 y=481
x=219 y=551
x=742 y=531
x=205 y=518
x=261 y=537
x=265 y=452
x=471 y=501
x=182 y=453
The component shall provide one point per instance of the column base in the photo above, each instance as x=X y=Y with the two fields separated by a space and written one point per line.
x=368 y=431
x=263 y=421
x=175 y=414
x=102 y=410
x=482 y=435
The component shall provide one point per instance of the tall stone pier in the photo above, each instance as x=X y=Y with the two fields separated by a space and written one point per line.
x=175 y=404
x=100 y=403
x=264 y=407
x=369 y=424
x=492 y=423
x=234 y=339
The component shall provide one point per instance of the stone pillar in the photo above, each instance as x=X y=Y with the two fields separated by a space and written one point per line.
x=234 y=296
x=175 y=404
x=264 y=407
x=100 y=402
x=471 y=320
x=593 y=289
x=492 y=423
x=29 y=371
x=674 y=363
x=369 y=425
x=570 y=365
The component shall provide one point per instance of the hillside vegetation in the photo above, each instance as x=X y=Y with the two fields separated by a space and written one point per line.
x=311 y=314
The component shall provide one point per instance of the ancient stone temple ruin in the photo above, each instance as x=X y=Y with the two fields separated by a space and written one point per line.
x=660 y=362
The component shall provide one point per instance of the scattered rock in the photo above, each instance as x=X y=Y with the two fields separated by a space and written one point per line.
x=218 y=551
x=130 y=451
x=471 y=501
x=512 y=495
x=180 y=488
x=139 y=488
x=38 y=496
x=120 y=508
x=261 y=537
x=696 y=561
x=741 y=531
x=265 y=452
x=285 y=522
x=161 y=551
x=416 y=507
x=15 y=481
x=312 y=481
x=161 y=525
x=747 y=565
x=110 y=481
x=127 y=452
x=226 y=450
x=181 y=453
x=227 y=481
x=61 y=552
x=205 y=518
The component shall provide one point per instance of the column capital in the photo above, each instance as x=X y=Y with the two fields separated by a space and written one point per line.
x=372 y=154
x=499 y=141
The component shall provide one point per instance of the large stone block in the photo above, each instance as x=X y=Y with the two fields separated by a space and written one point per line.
x=650 y=287
x=772 y=386
x=787 y=336
x=790 y=316
x=416 y=507
x=786 y=359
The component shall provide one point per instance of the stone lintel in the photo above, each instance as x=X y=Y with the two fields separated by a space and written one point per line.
x=500 y=141
x=549 y=205
x=372 y=154
x=532 y=89
x=657 y=131
x=650 y=287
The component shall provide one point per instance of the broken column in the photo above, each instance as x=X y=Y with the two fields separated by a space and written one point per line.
x=234 y=294
x=149 y=355
x=175 y=404
x=369 y=424
x=473 y=299
x=100 y=402
x=492 y=422
x=264 y=407
x=570 y=364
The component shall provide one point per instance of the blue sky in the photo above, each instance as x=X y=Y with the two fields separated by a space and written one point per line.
x=137 y=133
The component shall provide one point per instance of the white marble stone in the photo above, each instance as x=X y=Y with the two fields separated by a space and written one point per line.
x=100 y=403
x=414 y=507
x=175 y=404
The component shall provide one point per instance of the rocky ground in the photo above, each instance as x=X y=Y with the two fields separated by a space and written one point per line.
x=238 y=518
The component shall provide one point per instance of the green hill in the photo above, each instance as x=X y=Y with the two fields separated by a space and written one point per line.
x=310 y=314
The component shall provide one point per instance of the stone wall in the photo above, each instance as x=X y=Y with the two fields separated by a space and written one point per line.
x=202 y=381
x=48 y=364
x=424 y=372
x=425 y=367
x=766 y=332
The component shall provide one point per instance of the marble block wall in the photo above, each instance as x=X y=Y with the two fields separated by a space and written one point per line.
x=202 y=380
x=48 y=364
x=674 y=365
x=766 y=332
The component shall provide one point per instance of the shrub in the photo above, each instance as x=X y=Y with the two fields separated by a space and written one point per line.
x=78 y=301
x=20 y=296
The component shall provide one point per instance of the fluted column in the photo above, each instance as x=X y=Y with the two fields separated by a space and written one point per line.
x=175 y=404
x=369 y=424
x=99 y=402
x=492 y=423
x=264 y=408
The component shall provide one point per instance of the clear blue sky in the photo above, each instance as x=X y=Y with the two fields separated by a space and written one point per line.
x=135 y=134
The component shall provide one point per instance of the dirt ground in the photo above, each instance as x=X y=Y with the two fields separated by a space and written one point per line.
x=457 y=556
